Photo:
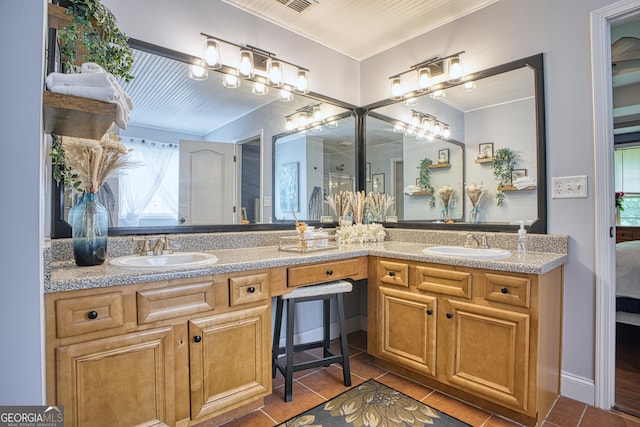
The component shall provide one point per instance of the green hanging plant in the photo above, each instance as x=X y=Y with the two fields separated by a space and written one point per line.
x=424 y=178
x=503 y=164
x=94 y=27
x=61 y=172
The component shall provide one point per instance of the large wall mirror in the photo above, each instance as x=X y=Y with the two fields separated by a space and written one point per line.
x=202 y=152
x=503 y=107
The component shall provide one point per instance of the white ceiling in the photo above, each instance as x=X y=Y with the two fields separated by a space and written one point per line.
x=360 y=28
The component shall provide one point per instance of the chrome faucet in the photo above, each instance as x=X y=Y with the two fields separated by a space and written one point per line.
x=471 y=241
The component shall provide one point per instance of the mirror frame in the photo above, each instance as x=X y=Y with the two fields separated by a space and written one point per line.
x=536 y=63
x=60 y=228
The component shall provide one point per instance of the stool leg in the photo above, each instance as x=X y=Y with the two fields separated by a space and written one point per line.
x=346 y=371
x=288 y=380
x=326 y=316
x=275 y=348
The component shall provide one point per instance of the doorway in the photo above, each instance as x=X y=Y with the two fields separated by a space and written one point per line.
x=605 y=348
x=250 y=154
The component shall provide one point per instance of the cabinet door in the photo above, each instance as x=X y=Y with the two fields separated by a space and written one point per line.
x=407 y=329
x=127 y=380
x=229 y=360
x=487 y=351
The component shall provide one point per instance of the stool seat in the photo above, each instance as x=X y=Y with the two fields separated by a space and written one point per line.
x=325 y=292
x=336 y=287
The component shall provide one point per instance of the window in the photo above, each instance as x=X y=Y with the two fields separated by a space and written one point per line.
x=627 y=180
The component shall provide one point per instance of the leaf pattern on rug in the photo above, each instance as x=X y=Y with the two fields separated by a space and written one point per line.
x=376 y=405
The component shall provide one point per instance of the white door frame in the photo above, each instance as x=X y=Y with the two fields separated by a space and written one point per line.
x=605 y=326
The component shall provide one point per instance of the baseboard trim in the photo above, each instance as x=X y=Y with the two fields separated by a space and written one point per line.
x=578 y=388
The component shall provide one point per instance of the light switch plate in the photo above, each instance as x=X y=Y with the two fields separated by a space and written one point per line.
x=569 y=187
x=267 y=201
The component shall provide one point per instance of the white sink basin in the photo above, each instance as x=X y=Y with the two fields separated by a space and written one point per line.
x=462 y=252
x=174 y=260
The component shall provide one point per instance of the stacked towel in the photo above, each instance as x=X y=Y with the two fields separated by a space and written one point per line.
x=524 y=182
x=410 y=189
x=95 y=83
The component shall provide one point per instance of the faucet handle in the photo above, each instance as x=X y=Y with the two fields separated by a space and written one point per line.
x=484 y=242
x=167 y=245
x=471 y=241
x=145 y=248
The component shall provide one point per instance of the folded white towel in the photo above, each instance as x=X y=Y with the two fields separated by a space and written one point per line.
x=410 y=189
x=80 y=79
x=524 y=182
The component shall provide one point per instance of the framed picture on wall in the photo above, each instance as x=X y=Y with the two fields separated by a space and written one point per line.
x=518 y=173
x=378 y=183
x=289 y=183
x=443 y=156
x=485 y=151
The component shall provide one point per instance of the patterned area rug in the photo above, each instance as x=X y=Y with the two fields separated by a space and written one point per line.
x=372 y=404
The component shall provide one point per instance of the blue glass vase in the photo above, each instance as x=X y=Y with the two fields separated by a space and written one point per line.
x=89 y=228
x=474 y=215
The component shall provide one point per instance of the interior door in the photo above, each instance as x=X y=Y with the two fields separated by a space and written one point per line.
x=207 y=184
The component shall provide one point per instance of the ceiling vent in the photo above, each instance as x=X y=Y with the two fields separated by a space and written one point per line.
x=298 y=5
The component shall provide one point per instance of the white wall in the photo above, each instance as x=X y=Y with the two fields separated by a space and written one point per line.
x=21 y=219
x=502 y=32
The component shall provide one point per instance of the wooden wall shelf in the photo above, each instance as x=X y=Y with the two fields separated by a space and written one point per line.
x=487 y=160
x=512 y=188
x=75 y=116
x=420 y=193
x=440 y=166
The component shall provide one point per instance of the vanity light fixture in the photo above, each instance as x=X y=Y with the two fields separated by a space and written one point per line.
x=285 y=95
x=423 y=126
x=429 y=71
x=309 y=117
x=259 y=89
x=231 y=80
x=253 y=62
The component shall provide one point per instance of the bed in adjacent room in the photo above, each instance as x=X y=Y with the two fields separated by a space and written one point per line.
x=628 y=282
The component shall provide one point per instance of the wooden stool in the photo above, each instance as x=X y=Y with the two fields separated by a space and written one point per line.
x=325 y=292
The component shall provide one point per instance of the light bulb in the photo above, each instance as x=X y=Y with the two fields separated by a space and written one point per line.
x=446 y=132
x=211 y=54
x=426 y=125
x=260 y=89
x=302 y=120
x=289 y=124
x=285 y=95
x=197 y=71
x=302 y=82
x=230 y=81
x=398 y=128
x=469 y=86
x=274 y=70
x=246 y=64
x=396 y=88
x=317 y=114
x=333 y=123
x=411 y=102
x=415 y=119
x=424 y=79
x=437 y=129
x=455 y=72
x=438 y=94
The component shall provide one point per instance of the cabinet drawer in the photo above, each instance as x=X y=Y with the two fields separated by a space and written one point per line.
x=507 y=289
x=247 y=289
x=325 y=272
x=447 y=282
x=174 y=301
x=624 y=235
x=81 y=315
x=393 y=273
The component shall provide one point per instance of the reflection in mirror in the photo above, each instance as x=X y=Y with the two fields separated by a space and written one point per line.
x=394 y=162
x=503 y=108
x=200 y=150
x=311 y=165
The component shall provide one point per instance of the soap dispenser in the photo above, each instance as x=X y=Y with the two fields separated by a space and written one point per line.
x=522 y=239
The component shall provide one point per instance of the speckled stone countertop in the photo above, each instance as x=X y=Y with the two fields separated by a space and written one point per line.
x=66 y=276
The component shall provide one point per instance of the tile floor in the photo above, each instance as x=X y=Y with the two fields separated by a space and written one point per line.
x=312 y=387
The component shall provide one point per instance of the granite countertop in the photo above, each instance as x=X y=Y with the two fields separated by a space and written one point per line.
x=66 y=276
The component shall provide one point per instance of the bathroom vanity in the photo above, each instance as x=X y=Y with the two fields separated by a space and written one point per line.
x=178 y=347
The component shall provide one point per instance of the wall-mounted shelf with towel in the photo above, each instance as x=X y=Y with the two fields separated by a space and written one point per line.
x=75 y=116
x=512 y=188
x=420 y=193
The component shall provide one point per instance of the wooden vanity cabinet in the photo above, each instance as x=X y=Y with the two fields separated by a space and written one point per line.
x=175 y=352
x=489 y=337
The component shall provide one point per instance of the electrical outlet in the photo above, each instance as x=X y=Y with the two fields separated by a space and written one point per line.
x=569 y=187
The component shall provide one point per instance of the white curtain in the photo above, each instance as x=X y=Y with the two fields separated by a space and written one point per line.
x=151 y=178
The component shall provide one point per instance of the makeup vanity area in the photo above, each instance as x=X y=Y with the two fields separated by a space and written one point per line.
x=183 y=346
